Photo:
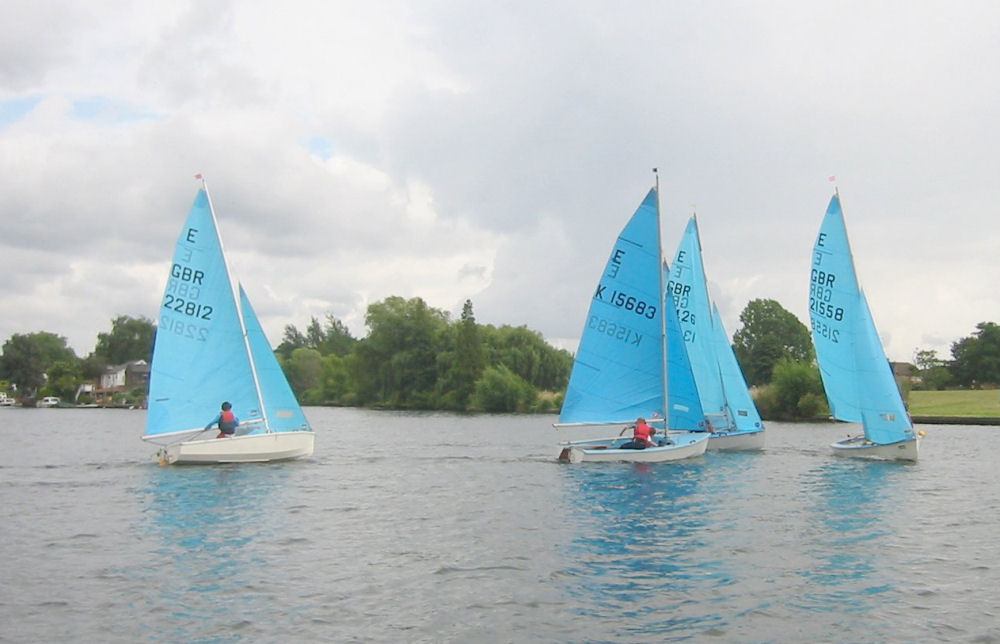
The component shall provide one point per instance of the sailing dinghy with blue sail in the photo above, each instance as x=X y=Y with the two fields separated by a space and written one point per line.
x=731 y=415
x=210 y=348
x=631 y=361
x=857 y=376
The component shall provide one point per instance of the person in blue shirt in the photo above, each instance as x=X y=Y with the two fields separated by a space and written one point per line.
x=226 y=421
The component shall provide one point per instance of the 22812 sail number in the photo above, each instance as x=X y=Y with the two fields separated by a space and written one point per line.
x=182 y=328
x=187 y=307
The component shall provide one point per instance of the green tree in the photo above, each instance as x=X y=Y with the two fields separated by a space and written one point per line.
x=502 y=390
x=396 y=363
x=932 y=371
x=27 y=357
x=795 y=392
x=336 y=385
x=304 y=371
x=333 y=339
x=527 y=354
x=129 y=339
x=336 y=339
x=292 y=340
x=64 y=377
x=769 y=334
x=977 y=357
x=461 y=367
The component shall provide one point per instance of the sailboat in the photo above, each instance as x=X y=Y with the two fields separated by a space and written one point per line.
x=210 y=348
x=857 y=376
x=733 y=420
x=631 y=361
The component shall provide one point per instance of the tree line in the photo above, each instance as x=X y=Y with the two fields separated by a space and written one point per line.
x=416 y=357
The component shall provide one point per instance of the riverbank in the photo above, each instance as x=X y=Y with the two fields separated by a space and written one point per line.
x=958 y=407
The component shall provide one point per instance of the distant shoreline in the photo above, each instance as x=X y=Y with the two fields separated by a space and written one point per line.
x=955 y=420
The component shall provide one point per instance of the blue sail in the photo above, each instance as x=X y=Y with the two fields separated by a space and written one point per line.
x=686 y=412
x=856 y=374
x=742 y=409
x=281 y=409
x=688 y=288
x=199 y=355
x=618 y=370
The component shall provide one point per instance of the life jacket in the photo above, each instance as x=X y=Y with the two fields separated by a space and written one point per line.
x=643 y=432
x=227 y=421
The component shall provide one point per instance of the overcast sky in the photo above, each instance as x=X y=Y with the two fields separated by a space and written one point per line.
x=493 y=150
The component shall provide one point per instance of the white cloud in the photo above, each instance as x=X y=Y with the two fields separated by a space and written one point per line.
x=451 y=150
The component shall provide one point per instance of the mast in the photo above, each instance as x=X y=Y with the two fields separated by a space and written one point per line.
x=239 y=308
x=663 y=311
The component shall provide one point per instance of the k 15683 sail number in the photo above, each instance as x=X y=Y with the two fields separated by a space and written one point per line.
x=627 y=302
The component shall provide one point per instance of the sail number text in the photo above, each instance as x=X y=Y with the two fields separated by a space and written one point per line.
x=614 y=330
x=825 y=330
x=627 y=302
x=821 y=293
x=187 y=307
x=182 y=328
x=183 y=289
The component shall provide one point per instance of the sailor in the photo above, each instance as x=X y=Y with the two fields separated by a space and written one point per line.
x=641 y=435
x=226 y=421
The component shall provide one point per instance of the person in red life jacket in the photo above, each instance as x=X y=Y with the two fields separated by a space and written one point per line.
x=226 y=421
x=642 y=435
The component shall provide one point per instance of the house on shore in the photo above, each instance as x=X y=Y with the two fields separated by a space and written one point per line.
x=119 y=379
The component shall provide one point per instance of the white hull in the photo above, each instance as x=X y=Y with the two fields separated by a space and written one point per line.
x=859 y=447
x=736 y=440
x=251 y=448
x=686 y=445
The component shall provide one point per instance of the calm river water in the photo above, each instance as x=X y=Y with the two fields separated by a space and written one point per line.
x=441 y=528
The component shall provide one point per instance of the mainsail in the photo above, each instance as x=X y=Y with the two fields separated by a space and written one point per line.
x=199 y=356
x=688 y=288
x=207 y=348
x=620 y=370
x=857 y=376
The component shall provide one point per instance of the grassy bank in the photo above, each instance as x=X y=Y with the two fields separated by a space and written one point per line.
x=982 y=403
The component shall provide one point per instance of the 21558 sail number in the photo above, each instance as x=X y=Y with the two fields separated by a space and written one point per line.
x=187 y=307
x=825 y=330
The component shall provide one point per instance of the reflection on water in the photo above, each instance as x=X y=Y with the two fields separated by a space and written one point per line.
x=213 y=529
x=639 y=554
x=850 y=535
x=730 y=546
